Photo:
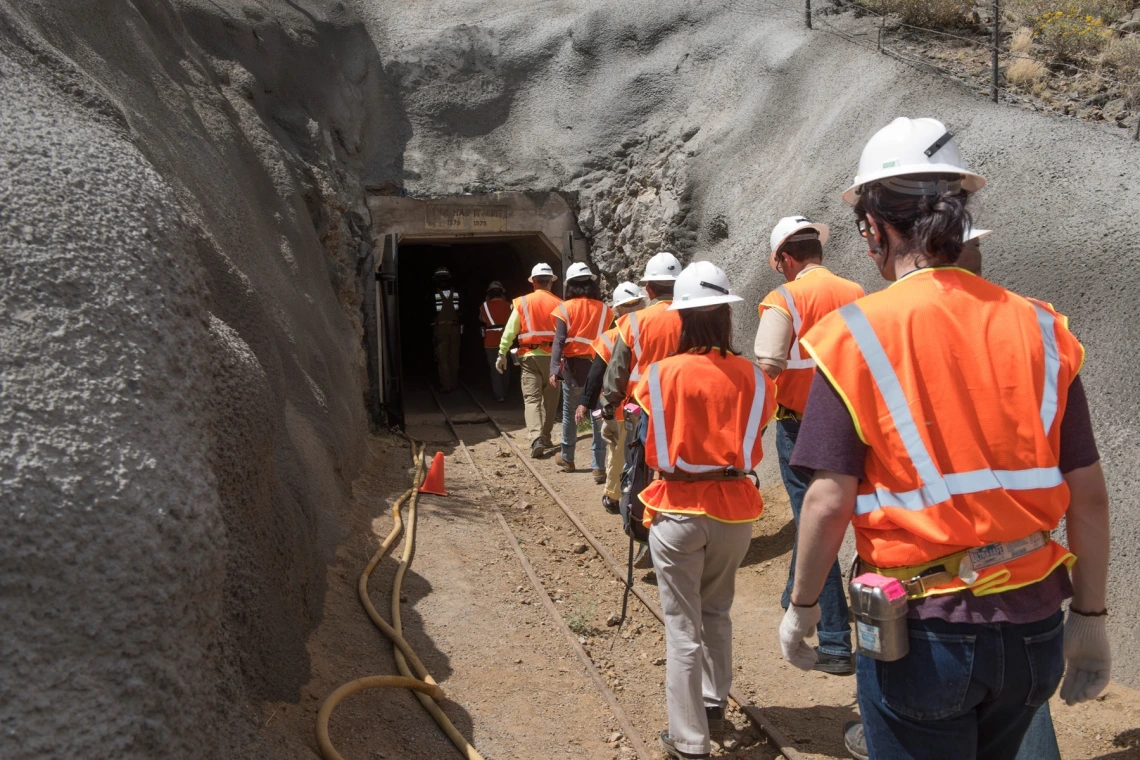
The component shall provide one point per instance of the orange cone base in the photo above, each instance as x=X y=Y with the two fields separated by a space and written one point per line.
x=433 y=483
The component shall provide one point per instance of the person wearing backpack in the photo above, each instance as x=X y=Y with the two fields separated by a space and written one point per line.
x=703 y=410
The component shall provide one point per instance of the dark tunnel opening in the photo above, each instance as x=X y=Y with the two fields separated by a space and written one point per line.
x=473 y=265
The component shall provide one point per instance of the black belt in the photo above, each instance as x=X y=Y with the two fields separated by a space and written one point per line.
x=691 y=477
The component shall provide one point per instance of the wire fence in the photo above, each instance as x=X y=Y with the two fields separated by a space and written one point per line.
x=877 y=38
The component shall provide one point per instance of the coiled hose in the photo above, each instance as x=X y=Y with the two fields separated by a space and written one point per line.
x=424 y=686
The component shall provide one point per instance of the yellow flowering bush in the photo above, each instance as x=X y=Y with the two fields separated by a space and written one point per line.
x=1072 y=34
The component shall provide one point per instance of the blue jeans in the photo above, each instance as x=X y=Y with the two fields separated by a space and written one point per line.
x=834 y=628
x=571 y=398
x=965 y=691
x=1040 y=742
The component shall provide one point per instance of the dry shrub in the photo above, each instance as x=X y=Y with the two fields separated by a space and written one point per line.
x=932 y=14
x=1072 y=35
x=1022 y=41
x=1029 y=12
x=1123 y=55
x=1025 y=71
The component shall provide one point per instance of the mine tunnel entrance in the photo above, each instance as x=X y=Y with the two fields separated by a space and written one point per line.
x=479 y=238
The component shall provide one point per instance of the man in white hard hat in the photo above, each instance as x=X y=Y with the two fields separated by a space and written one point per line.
x=788 y=312
x=533 y=324
x=627 y=298
x=446 y=329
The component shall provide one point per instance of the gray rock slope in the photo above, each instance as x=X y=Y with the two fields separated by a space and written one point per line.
x=182 y=234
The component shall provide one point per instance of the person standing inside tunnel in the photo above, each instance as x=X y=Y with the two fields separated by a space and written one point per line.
x=786 y=314
x=949 y=425
x=578 y=321
x=494 y=314
x=446 y=329
x=627 y=298
x=705 y=408
x=531 y=322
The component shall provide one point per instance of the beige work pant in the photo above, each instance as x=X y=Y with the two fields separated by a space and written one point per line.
x=446 y=339
x=540 y=400
x=696 y=559
x=615 y=461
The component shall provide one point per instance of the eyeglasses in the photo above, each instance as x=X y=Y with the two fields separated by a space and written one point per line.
x=864 y=227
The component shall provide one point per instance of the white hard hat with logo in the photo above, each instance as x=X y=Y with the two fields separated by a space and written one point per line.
x=702 y=283
x=913 y=146
x=542 y=270
x=627 y=292
x=580 y=269
x=663 y=267
x=973 y=233
x=796 y=228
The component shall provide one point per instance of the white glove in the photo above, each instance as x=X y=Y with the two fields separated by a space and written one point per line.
x=610 y=431
x=1088 y=659
x=797 y=625
x=501 y=363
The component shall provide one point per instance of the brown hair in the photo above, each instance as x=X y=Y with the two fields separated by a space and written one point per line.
x=703 y=330
x=802 y=250
x=931 y=224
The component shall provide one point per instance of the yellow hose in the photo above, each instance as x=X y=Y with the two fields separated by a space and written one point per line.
x=424 y=687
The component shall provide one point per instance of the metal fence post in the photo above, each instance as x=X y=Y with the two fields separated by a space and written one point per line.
x=1136 y=134
x=807 y=13
x=997 y=42
x=882 y=28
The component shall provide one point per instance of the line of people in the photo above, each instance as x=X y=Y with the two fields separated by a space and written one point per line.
x=942 y=418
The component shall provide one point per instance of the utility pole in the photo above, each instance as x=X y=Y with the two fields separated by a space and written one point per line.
x=807 y=13
x=997 y=42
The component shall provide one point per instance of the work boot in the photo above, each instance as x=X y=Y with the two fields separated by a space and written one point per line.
x=599 y=476
x=855 y=741
x=566 y=466
x=611 y=505
x=721 y=730
x=672 y=751
x=537 y=450
x=834 y=664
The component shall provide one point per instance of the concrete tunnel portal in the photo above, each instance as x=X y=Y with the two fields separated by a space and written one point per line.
x=479 y=238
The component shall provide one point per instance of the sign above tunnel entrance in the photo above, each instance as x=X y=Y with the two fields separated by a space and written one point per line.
x=463 y=218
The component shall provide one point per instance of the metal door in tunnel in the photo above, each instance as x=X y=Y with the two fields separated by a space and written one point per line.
x=388 y=332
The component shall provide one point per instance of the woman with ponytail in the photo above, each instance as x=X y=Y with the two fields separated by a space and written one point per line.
x=948 y=425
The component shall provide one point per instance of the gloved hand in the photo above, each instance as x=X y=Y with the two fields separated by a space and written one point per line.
x=610 y=431
x=1088 y=659
x=797 y=625
x=501 y=364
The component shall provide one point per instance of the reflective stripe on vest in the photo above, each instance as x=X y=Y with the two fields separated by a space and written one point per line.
x=529 y=323
x=936 y=488
x=577 y=338
x=487 y=311
x=795 y=360
x=661 y=433
x=635 y=371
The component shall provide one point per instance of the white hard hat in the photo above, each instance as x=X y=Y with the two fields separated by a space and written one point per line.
x=912 y=146
x=580 y=269
x=541 y=270
x=627 y=292
x=796 y=225
x=663 y=267
x=702 y=283
x=973 y=233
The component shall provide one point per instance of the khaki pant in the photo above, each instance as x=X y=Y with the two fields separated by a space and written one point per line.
x=615 y=461
x=696 y=559
x=445 y=338
x=539 y=398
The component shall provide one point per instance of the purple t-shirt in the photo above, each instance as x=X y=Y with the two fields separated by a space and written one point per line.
x=828 y=440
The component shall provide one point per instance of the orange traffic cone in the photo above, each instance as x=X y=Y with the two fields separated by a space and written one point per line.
x=433 y=483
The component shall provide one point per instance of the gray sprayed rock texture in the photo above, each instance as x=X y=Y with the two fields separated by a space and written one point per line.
x=183 y=239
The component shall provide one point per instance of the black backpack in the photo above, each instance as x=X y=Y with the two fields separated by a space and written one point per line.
x=636 y=476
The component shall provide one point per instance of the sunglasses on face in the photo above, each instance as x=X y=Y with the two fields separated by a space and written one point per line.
x=864 y=227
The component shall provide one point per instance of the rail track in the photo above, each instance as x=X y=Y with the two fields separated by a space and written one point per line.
x=457 y=423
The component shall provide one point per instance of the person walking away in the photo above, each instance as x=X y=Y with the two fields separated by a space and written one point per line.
x=1040 y=742
x=494 y=313
x=788 y=312
x=578 y=321
x=706 y=408
x=644 y=337
x=446 y=329
x=949 y=426
x=532 y=324
x=627 y=298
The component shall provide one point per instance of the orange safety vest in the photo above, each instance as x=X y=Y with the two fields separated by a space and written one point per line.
x=603 y=345
x=536 y=325
x=494 y=316
x=806 y=300
x=586 y=319
x=651 y=334
x=958 y=387
x=706 y=413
